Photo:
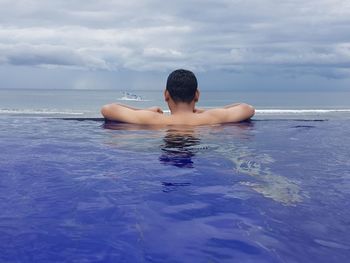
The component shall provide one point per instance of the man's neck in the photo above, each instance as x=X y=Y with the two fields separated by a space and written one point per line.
x=180 y=108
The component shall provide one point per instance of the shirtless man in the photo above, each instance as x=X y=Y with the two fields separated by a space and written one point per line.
x=181 y=95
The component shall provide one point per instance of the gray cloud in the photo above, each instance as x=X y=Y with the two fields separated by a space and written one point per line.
x=286 y=37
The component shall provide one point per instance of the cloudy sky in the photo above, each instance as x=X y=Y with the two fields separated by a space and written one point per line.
x=229 y=44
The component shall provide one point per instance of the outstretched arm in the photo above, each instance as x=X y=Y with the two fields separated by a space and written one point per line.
x=125 y=113
x=200 y=110
x=232 y=113
x=154 y=108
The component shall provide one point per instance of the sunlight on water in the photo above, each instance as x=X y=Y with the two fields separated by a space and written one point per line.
x=270 y=185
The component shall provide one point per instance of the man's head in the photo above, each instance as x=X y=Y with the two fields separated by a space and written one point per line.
x=182 y=86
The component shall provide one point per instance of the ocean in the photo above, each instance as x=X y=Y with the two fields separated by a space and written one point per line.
x=87 y=103
x=76 y=189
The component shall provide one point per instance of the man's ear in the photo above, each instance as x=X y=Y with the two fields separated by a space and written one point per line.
x=166 y=95
x=196 y=96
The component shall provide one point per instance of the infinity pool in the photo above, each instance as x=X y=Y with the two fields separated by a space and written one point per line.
x=83 y=190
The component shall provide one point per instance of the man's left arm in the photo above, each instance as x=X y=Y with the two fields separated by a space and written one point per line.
x=125 y=113
x=154 y=108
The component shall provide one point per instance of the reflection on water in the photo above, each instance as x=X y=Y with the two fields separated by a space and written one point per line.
x=178 y=148
x=271 y=185
x=234 y=142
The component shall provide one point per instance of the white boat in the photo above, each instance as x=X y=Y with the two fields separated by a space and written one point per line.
x=131 y=96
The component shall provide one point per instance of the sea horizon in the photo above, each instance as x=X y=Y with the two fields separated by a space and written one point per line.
x=87 y=103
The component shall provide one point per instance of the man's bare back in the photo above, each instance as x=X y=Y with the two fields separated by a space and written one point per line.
x=181 y=95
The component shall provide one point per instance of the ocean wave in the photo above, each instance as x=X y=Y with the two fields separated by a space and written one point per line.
x=40 y=112
x=300 y=111
x=293 y=111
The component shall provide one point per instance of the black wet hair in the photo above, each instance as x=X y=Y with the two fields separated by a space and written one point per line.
x=182 y=85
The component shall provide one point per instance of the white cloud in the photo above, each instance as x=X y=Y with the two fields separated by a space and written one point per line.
x=157 y=35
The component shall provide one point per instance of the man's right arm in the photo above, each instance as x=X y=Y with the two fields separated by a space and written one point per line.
x=199 y=110
x=231 y=113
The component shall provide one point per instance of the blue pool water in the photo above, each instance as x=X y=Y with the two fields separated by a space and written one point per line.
x=270 y=190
